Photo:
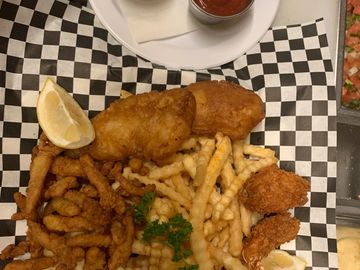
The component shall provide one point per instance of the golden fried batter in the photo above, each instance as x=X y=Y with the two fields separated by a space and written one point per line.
x=95 y=259
x=108 y=197
x=31 y=264
x=151 y=126
x=225 y=107
x=267 y=235
x=274 y=190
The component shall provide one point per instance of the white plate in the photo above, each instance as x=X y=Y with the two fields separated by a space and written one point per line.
x=207 y=47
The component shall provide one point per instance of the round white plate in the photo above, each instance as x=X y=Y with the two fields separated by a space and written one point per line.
x=206 y=47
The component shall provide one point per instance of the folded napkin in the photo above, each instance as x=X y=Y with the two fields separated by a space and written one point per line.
x=157 y=19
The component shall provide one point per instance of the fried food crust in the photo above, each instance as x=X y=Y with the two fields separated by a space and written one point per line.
x=39 y=168
x=123 y=239
x=108 y=197
x=151 y=125
x=267 y=235
x=225 y=107
x=31 y=264
x=95 y=259
x=274 y=190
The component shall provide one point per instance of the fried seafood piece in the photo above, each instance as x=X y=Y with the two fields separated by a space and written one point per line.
x=91 y=209
x=31 y=264
x=225 y=107
x=20 y=201
x=95 y=259
x=151 y=125
x=274 y=190
x=267 y=235
x=69 y=224
x=59 y=188
x=12 y=251
x=66 y=166
x=39 y=168
x=66 y=255
x=123 y=234
x=108 y=197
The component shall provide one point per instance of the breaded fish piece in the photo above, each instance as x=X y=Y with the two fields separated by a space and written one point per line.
x=225 y=107
x=267 y=235
x=274 y=190
x=149 y=126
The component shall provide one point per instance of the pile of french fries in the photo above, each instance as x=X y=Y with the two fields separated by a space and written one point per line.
x=201 y=183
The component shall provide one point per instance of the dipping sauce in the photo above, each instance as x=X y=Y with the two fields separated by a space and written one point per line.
x=222 y=7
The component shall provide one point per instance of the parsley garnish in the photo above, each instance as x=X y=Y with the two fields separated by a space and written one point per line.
x=175 y=233
x=141 y=210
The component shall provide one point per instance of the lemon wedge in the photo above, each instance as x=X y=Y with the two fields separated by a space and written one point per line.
x=281 y=260
x=61 y=118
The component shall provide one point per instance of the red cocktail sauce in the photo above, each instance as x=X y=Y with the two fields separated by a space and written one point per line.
x=222 y=7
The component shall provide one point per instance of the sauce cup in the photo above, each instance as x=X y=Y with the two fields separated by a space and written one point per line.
x=208 y=18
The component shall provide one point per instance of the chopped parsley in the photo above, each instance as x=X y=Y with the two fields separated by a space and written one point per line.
x=174 y=233
x=141 y=210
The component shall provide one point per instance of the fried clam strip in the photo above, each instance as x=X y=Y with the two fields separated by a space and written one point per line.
x=62 y=206
x=261 y=158
x=70 y=224
x=20 y=201
x=121 y=248
x=38 y=170
x=95 y=259
x=197 y=213
x=91 y=209
x=12 y=251
x=108 y=197
x=59 y=188
x=66 y=256
x=89 y=240
x=131 y=188
x=32 y=264
x=66 y=166
x=235 y=241
x=267 y=235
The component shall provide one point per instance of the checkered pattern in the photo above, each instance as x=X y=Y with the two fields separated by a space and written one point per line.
x=290 y=69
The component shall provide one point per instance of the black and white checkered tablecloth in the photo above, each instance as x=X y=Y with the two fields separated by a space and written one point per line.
x=290 y=69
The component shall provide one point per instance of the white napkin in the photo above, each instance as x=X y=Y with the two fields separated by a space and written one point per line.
x=157 y=19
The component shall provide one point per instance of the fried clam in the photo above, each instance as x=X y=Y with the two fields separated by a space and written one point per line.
x=39 y=168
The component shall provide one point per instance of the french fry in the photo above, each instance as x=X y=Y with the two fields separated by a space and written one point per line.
x=236 y=185
x=155 y=256
x=161 y=187
x=189 y=144
x=207 y=149
x=197 y=212
x=225 y=259
x=166 y=171
x=190 y=165
x=245 y=220
x=181 y=187
x=235 y=229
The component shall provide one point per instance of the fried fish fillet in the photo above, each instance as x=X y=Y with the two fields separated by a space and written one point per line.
x=150 y=126
x=225 y=107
